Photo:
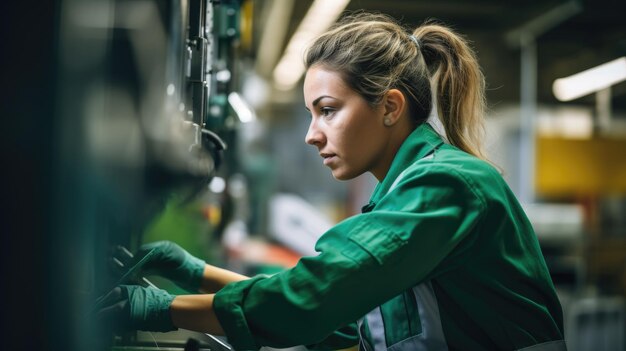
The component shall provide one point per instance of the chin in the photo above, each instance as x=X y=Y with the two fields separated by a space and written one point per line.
x=340 y=178
x=337 y=174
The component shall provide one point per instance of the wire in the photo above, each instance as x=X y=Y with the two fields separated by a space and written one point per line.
x=154 y=339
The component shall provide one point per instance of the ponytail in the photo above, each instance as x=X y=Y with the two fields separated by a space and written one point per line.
x=458 y=86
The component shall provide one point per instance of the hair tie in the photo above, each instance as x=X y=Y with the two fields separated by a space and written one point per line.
x=416 y=41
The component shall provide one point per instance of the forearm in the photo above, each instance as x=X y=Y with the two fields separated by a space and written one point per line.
x=215 y=278
x=195 y=312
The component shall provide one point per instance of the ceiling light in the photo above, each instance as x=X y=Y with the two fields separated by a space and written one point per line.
x=590 y=81
x=321 y=15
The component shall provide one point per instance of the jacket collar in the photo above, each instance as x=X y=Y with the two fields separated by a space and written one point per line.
x=420 y=143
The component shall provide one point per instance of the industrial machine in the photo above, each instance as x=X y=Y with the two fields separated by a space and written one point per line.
x=142 y=106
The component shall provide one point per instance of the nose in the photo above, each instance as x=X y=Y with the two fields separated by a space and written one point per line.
x=314 y=136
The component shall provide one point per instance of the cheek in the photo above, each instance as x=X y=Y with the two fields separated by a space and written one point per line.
x=358 y=141
x=356 y=134
x=346 y=138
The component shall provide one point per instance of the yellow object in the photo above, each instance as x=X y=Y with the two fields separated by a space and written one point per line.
x=246 y=24
x=566 y=167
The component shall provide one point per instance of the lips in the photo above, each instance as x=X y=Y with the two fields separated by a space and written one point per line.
x=327 y=157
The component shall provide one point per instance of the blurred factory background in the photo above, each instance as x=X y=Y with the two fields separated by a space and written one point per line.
x=129 y=121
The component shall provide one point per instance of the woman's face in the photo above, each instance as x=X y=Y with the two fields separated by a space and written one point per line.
x=347 y=131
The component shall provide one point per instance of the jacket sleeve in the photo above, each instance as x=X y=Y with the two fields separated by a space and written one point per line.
x=362 y=262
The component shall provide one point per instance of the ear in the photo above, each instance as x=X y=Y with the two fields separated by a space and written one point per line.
x=394 y=104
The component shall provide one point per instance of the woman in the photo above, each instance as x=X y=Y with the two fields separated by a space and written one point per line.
x=442 y=257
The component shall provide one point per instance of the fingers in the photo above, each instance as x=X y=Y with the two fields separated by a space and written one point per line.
x=109 y=298
x=114 y=310
x=152 y=255
x=165 y=259
x=145 y=248
x=115 y=315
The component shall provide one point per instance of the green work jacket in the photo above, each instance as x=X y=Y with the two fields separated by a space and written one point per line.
x=442 y=258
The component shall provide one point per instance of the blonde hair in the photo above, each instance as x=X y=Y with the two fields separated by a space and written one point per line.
x=373 y=53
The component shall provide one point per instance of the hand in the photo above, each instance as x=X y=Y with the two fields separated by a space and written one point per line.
x=133 y=307
x=174 y=263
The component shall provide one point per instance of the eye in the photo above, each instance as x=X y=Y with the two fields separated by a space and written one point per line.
x=327 y=111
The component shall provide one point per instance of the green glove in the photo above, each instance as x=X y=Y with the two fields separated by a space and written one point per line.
x=133 y=307
x=174 y=263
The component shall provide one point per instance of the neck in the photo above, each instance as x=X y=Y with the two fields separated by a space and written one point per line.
x=398 y=134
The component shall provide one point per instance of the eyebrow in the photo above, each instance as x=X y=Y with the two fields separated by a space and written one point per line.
x=316 y=101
